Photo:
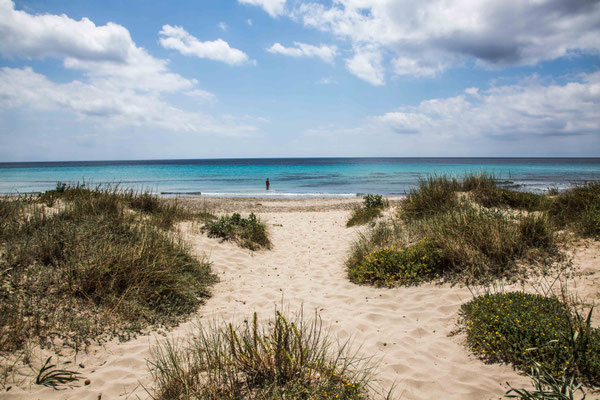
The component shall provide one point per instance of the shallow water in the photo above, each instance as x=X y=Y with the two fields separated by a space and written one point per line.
x=293 y=177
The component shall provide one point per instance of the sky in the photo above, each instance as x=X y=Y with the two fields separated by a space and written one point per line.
x=150 y=79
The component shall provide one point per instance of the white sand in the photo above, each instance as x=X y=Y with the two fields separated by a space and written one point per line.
x=407 y=329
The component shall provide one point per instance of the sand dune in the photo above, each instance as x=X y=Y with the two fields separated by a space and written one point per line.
x=409 y=331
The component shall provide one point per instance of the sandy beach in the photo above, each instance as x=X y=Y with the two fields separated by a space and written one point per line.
x=410 y=332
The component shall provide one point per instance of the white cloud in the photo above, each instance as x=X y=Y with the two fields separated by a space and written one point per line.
x=103 y=52
x=423 y=38
x=177 y=38
x=366 y=64
x=222 y=26
x=122 y=85
x=202 y=95
x=274 y=8
x=510 y=111
x=325 y=53
x=37 y=36
x=107 y=106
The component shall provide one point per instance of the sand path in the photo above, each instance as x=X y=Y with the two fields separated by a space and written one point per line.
x=407 y=329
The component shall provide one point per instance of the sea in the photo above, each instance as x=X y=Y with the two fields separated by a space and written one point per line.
x=292 y=177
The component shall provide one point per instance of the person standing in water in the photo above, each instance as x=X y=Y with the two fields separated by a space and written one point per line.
x=267 y=183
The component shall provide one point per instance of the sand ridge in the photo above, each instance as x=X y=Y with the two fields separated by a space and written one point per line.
x=410 y=331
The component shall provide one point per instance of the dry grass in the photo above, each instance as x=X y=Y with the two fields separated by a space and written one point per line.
x=100 y=265
x=281 y=359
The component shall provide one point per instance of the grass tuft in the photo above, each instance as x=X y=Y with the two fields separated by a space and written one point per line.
x=53 y=377
x=281 y=359
x=578 y=209
x=250 y=232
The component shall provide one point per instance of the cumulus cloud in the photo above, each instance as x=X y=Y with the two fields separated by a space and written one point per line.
x=103 y=52
x=274 y=8
x=122 y=85
x=510 y=111
x=106 y=106
x=424 y=38
x=366 y=64
x=325 y=53
x=177 y=38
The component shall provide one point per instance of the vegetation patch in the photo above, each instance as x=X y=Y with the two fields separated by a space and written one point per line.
x=411 y=265
x=90 y=268
x=578 y=209
x=282 y=359
x=473 y=243
x=248 y=232
x=534 y=331
x=373 y=205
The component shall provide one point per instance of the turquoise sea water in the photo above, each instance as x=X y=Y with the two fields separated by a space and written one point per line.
x=293 y=177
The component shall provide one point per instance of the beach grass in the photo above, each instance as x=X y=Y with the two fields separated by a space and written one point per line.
x=96 y=264
x=578 y=209
x=372 y=207
x=284 y=358
x=472 y=243
x=250 y=232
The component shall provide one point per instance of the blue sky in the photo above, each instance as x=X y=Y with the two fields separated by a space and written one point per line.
x=90 y=80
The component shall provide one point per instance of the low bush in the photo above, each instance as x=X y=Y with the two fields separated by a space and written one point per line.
x=281 y=359
x=248 y=232
x=89 y=269
x=530 y=329
x=411 y=265
x=373 y=204
x=374 y=201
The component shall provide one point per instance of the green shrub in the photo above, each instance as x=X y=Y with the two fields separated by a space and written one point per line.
x=524 y=329
x=248 y=232
x=373 y=204
x=411 y=265
x=92 y=269
x=282 y=359
x=373 y=201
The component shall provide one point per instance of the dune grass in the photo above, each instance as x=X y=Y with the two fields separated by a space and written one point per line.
x=467 y=242
x=534 y=331
x=284 y=358
x=371 y=208
x=250 y=233
x=578 y=209
x=92 y=267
